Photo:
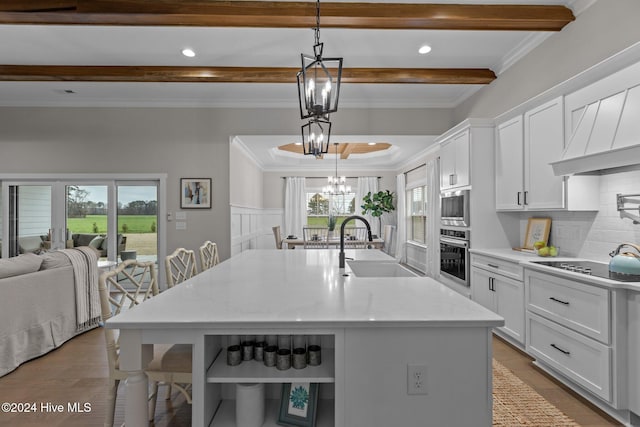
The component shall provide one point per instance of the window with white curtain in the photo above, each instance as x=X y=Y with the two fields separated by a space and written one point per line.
x=416 y=201
x=320 y=205
x=417 y=213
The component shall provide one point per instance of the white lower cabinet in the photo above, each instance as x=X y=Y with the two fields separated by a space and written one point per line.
x=583 y=308
x=633 y=353
x=581 y=359
x=573 y=328
x=500 y=294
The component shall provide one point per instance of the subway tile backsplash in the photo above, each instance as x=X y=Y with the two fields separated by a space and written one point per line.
x=592 y=235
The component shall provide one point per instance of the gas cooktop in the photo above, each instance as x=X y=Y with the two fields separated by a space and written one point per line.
x=596 y=269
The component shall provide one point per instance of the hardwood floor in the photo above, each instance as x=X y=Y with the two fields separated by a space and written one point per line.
x=564 y=399
x=77 y=372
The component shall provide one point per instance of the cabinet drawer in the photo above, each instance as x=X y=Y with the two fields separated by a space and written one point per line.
x=576 y=305
x=498 y=266
x=581 y=359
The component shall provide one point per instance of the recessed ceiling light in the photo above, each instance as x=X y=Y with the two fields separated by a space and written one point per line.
x=424 y=49
x=298 y=143
x=371 y=143
x=189 y=53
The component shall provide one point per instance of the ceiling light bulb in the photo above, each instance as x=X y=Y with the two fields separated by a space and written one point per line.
x=371 y=143
x=189 y=53
x=424 y=49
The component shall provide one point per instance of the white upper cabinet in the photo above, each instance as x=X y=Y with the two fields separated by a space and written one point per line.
x=454 y=161
x=509 y=164
x=525 y=147
x=543 y=144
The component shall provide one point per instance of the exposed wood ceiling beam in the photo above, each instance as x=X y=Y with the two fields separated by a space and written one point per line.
x=345 y=149
x=295 y=14
x=238 y=74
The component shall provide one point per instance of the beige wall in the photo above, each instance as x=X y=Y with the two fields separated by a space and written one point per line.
x=602 y=30
x=245 y=180
x=186 y=142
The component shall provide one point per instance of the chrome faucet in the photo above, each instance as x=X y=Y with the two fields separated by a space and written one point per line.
x=346 y=220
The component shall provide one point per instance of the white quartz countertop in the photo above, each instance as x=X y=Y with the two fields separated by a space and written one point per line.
x=303 y=288
x=528 y=260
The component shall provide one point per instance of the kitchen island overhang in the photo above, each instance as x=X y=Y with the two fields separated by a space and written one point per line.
x=375 y=327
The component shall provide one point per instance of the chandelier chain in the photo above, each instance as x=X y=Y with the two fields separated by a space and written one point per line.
x=317 y=22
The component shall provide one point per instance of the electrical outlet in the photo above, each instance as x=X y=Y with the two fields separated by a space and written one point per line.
x=416 y=379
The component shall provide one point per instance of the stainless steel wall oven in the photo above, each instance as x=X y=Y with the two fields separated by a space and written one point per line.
x=454 y=255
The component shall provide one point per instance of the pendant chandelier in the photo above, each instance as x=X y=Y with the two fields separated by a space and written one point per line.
x=315 y=137
x=318 y=90
x=337 y=185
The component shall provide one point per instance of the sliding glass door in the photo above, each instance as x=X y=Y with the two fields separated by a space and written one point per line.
x=118 y=218
x=137 y=220
x=28 y=213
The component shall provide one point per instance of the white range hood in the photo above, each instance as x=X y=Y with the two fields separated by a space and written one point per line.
x=606 y=133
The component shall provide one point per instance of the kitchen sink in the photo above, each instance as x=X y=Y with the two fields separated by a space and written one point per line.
x=379 y=269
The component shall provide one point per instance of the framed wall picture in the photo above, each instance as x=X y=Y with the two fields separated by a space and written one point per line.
x=537 y=230
x=298 y=404
x=195 y=193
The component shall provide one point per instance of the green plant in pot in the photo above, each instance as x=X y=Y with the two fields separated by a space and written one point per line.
x=376 y=204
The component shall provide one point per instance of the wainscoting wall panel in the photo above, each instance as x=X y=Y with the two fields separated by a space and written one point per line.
x=417 y=257
x=251 y=228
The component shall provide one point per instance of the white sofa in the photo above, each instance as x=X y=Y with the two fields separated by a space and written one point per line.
x=37 y=307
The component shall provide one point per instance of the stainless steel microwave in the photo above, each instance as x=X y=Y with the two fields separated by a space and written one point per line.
x=454 y=208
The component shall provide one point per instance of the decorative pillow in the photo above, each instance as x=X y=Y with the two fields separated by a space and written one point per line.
x=96 y=242
x=22 y=264
x=54 y=259
x=83 y=239
x=29 y=244
x=104 y=243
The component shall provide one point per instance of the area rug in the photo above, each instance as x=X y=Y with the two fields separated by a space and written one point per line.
x=517 y=404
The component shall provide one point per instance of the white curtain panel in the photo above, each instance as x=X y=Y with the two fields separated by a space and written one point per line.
x=295 y=206
x=401 y=209
x=367 y=184
x=433 y=218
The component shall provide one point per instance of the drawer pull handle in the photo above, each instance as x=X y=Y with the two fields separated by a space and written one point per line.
x=493 y=265
x=561 y=350
x=559 y=301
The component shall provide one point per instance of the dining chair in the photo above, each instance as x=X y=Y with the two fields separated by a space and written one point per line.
x=132 y=283
x=315 y=237
x=277 y=236
x=356 y=238
x=209 y=255
x=180 y=266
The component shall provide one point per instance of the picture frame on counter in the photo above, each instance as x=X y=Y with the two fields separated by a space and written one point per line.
x=298 y=404
x=195 y=193
x=537 y=230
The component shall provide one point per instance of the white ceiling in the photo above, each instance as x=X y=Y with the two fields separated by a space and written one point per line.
x=266 y=47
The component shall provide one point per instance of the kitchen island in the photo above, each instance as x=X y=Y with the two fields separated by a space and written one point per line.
x=372 y=329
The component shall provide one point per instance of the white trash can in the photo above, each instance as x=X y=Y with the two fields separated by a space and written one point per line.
x=250 y=405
